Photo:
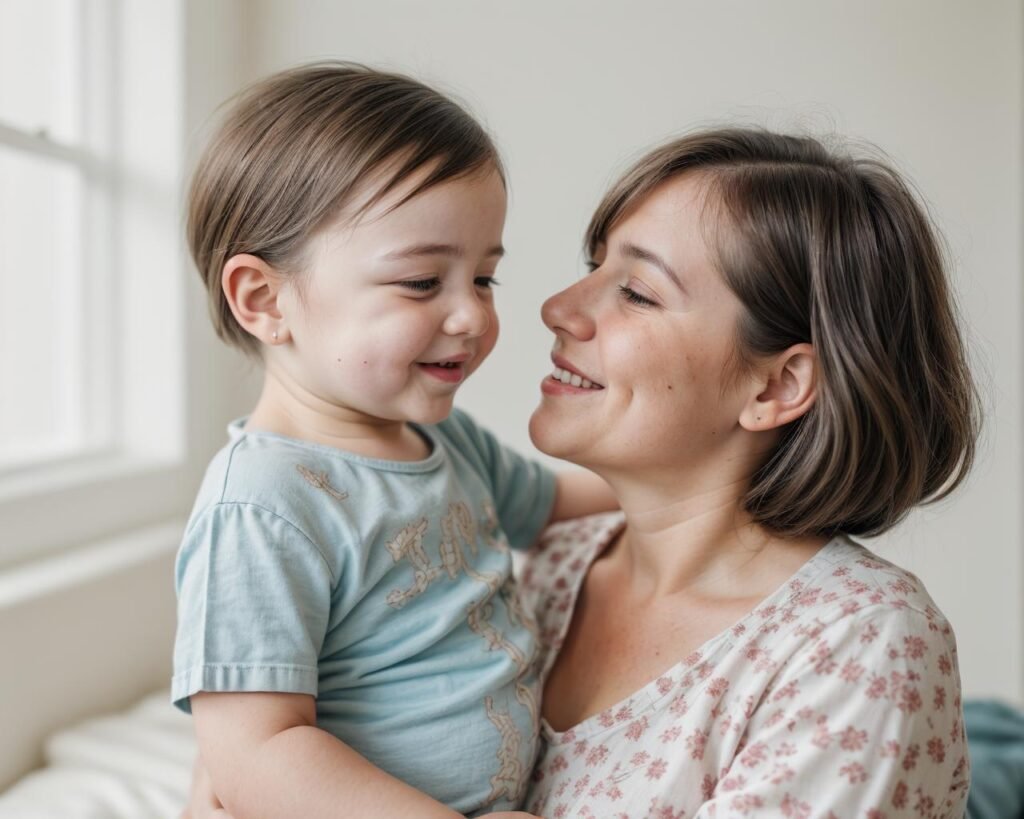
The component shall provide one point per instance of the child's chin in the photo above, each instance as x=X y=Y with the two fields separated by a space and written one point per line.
x=434 y=414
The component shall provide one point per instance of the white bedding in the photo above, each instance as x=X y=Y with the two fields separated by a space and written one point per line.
x=133 y=765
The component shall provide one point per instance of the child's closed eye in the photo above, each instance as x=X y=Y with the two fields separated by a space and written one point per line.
x=421 y=285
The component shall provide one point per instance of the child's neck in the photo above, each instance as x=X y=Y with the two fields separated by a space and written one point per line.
x=280 y=412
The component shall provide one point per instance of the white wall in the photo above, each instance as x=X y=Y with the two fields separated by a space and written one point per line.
x=575 y=88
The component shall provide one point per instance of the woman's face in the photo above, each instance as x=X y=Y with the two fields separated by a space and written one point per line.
x=653 y=329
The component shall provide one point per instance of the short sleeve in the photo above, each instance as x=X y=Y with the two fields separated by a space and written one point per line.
x=523 y=489
x=253 y=604
x=866 y=722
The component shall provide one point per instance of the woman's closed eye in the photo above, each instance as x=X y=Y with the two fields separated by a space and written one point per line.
x=630 y=295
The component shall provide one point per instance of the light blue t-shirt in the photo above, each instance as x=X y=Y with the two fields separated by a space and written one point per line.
x=382 y=588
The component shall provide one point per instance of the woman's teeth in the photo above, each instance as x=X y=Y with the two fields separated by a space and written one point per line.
x=567 y=377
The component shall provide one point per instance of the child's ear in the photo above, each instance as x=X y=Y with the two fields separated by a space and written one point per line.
x=251 y=287
x=784 y=389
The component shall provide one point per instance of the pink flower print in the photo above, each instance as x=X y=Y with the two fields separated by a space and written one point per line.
x=717 y=687
x=657 y=769
x=746 y=802
x=925 y=805
x=738 y=630
x=561 y=811
x=945 y=665
x=707 y=787
x=936 y=750
x=785 y=749
x=854 y=772
x=793 y=807
x=597 y=755
x=664 y=685
x=692 y=659
x=788 y=691
x=576 y=566
x=822 y=659
x=606 y=719
x=910 y=757
x=597 y=790
x=639 y=758
x=733 y=783
x=849 y=607
x=704 y=671
x=754 y=755
x=842 y=571
x=869 y=633
x=877 y=687
x=678 y=705
x=890 y=750
x=899 y=795
x=559 y=763
x=767 y=611
x=580 y=747
x=851 y=671
x=852 y=740
x=915 y=647
x=780 y=774
x=556 y=557
x=671 y=734
x=636 y=729
x=615 y=793
x=939 y=700
x=624 y=713
x=561 y=584
x=822 y=738
x=697 y=743
x=581 y=785
x=910 y=700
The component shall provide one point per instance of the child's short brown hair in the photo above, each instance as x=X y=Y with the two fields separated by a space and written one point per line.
x=296 y=147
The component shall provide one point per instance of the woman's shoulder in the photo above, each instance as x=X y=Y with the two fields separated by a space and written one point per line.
x=849 y=579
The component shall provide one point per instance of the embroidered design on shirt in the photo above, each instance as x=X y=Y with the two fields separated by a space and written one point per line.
x=511 y=777
x=320 y=481
x=408 y=543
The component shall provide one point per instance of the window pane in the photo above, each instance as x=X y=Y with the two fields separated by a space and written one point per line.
x=42 y=406
x=39 y=66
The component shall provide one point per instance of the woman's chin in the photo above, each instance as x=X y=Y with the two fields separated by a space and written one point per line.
x=551 y=436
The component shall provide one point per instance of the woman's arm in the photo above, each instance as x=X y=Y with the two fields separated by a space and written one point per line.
x=867 y=721
x=579 y=493
x=267 y=758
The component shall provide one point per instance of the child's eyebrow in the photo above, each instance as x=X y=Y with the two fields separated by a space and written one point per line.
x=432 y=249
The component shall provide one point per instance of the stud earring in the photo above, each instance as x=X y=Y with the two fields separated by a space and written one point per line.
x=273 y=335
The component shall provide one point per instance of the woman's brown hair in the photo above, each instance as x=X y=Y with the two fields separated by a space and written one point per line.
x=294 y=150
x=826 y=248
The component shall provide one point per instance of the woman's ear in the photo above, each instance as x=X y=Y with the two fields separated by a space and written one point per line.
x=251 y=287
x=785 y=388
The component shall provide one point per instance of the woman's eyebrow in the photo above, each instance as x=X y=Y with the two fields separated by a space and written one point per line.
x=433 y=249
x=632 y=251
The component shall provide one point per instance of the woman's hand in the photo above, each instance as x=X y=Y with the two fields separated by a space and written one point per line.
x=202 y=801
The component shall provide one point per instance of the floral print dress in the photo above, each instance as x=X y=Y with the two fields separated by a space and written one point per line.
x=837 y=696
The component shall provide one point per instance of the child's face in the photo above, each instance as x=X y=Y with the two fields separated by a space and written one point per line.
x=391 y=314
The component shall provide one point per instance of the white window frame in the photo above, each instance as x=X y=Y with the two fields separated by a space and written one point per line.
x=149 y=474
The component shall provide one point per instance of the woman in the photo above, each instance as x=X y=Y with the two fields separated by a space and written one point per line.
x=774 y=364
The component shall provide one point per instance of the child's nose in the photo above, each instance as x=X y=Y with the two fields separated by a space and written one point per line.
x=469 y=316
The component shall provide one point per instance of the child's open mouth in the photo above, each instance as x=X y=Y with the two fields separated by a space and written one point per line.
x=451 y=372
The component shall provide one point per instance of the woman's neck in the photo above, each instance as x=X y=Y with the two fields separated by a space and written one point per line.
x=284 y=409
x=681 y=539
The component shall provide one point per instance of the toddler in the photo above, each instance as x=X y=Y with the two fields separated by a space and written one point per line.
x=350 y=640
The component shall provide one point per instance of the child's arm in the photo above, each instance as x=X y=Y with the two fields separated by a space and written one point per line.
x=266 y=757
x=580 y=493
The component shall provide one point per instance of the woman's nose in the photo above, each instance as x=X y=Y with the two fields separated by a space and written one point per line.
x=570 y=311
